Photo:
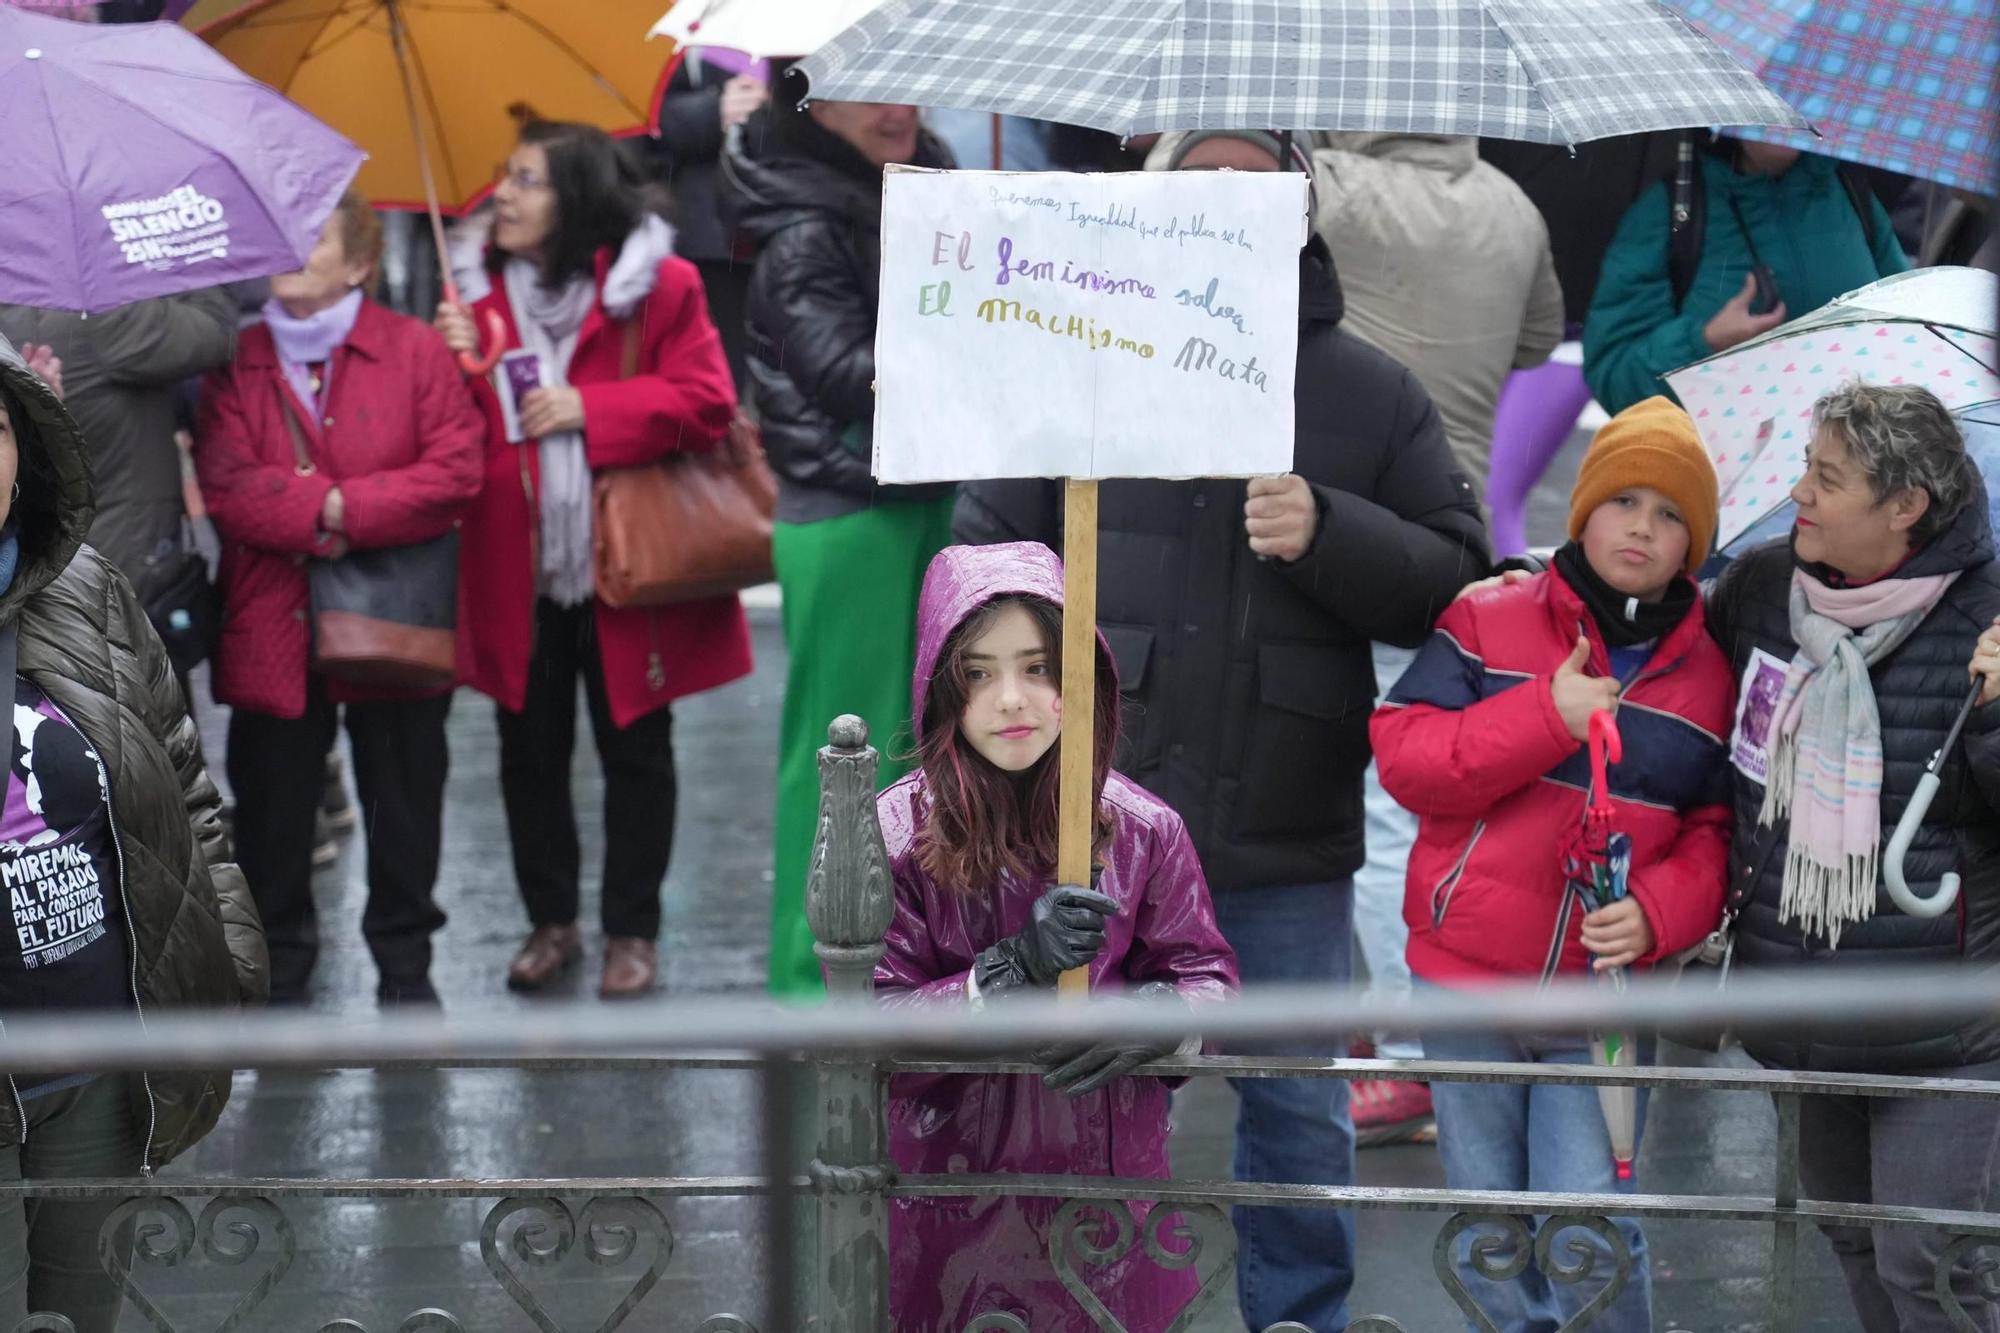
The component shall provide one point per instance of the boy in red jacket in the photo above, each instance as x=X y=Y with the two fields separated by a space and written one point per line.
x=1484 y=740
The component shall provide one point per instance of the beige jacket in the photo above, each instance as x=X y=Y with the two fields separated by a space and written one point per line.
x=1445 y=265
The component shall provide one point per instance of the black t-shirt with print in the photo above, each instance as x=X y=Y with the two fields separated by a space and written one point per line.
x=67 y=947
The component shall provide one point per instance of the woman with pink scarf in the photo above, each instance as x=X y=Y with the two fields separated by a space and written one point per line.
x=1854 y=643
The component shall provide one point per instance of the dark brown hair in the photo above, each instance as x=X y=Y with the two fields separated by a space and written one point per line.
x=600 y=199
x=981 y=821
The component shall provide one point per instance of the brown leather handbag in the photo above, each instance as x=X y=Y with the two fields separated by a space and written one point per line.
x=694 y=524
x=385 y=618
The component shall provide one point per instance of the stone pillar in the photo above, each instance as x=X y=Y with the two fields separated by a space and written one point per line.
x=849 y=904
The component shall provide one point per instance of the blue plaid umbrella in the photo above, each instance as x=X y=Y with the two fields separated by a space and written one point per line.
x=1543 y=71
x=1902 y=84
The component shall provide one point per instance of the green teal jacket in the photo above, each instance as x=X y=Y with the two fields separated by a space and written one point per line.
x=1802 y=224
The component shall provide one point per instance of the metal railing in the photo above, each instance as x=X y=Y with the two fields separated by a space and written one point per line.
x=824 y=1205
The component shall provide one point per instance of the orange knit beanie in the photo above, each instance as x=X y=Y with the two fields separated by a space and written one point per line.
x=1654 y=444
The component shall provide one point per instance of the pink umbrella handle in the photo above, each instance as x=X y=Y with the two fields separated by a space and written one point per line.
x=1606 y=747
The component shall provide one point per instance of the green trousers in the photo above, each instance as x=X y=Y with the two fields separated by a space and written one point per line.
x=850 y=587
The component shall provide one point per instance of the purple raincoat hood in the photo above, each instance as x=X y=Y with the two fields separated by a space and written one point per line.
x=961 y=580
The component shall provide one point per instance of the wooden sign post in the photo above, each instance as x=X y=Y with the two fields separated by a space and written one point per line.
x=1076 y=822
x=1048 y=324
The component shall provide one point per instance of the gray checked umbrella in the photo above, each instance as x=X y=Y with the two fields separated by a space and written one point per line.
x=1545 y=71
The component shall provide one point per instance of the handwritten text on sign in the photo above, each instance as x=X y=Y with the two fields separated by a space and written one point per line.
x=1044 y=324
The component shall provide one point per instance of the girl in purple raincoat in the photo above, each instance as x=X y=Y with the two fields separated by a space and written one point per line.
x=972 y=843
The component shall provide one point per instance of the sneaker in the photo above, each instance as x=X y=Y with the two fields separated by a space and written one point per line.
x=336 y=811
x=1391 y=1111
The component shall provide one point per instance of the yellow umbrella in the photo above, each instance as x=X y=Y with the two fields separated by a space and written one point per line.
x=472 y=62
x=435 y=89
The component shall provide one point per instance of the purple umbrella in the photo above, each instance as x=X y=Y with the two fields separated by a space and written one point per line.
x=170 y=11
x=142 y=163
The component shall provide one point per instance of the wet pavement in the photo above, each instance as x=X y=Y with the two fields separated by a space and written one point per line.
x=378 y=1261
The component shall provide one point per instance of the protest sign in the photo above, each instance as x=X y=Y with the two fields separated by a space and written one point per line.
x=1049 y=324
x=1046 y=324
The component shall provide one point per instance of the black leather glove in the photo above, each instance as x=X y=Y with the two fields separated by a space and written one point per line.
x=1065 y=930
x=1080 y=1068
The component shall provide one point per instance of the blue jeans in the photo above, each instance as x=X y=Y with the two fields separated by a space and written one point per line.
x=1390 y=832
x=1293 y=1263
x=1551 y=1139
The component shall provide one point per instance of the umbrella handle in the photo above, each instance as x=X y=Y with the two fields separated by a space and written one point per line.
x=1899 y=845
x=1606 y=747
x=1913 y=814
x=496 y=338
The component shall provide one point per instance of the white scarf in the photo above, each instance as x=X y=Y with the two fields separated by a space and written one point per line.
x=549 y=323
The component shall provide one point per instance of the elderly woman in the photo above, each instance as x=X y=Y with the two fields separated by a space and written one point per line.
x=376 y=402
x=1851 y=642
x=581 y=274
x=123 y=895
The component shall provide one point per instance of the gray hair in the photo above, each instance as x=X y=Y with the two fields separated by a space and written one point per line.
x=1902 y=437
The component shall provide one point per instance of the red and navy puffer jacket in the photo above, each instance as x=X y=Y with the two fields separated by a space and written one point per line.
x=1470 y=741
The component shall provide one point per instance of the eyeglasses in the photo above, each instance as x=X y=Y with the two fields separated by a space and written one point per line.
x=520 y=180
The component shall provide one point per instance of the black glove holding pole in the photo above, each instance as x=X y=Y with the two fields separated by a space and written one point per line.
x=1080 y=1068
x=1065 y=930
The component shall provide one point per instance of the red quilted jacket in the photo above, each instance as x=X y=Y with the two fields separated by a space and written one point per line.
x=400 y=437
x=1470 y=741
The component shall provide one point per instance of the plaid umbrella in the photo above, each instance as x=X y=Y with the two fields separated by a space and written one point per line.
x=1598 y=865
x=1548 y=71
x=1902 y=84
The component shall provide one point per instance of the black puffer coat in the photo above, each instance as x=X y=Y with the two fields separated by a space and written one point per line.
x=1248 y=683
x=194 y=936
x=812 y=205
x=1919 y=689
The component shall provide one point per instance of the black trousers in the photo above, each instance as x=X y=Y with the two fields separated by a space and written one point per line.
x=639 y=789
x=277 y=769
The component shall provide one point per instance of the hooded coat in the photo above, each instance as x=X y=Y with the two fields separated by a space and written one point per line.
x=1445 y=265
x=952 y=1260
x=1248 y=682
x=1919 y=689
x=812 y=207
x=193 y=934
x=681 y=398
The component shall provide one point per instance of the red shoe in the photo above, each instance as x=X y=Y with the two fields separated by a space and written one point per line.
x=1389 y=1111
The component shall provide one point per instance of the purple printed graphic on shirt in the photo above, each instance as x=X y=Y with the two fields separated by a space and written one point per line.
x=57 y=866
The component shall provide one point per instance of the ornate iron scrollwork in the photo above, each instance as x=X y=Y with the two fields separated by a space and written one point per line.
x=420 y=1321
x=1503 y=1257
x=164 y=1234
x=549 y=1231
x=1985 y=1276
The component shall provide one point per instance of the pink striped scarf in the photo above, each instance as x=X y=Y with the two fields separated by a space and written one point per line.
x=1826 y=758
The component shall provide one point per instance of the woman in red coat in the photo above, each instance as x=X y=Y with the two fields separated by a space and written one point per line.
x=576 y=260
x=394 y=441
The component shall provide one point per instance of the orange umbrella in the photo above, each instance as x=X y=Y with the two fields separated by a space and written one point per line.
x=435 y=89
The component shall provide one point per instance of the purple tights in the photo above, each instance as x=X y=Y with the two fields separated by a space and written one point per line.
x=1538 y=408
